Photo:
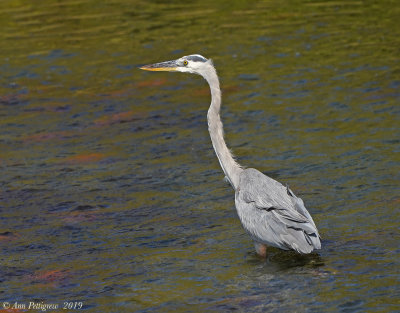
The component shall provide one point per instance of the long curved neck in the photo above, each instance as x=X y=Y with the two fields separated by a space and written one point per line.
x=226 y=160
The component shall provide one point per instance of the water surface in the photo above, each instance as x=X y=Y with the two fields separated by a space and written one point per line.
x=111 y=193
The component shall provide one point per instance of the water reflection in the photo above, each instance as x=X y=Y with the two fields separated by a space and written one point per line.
x=111 y=193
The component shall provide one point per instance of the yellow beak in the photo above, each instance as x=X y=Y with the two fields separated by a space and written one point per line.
x=169 y=66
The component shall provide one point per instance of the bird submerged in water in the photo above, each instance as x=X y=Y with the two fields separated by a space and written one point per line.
x=269 y=212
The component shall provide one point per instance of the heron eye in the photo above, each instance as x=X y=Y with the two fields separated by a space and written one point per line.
x=185 y=62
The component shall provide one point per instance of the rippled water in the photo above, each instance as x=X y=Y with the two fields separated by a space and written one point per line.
x=111 y=193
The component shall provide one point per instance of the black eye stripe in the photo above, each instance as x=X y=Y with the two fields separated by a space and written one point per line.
x=196 y=58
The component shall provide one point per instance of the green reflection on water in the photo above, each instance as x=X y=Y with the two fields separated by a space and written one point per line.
x=310 y=96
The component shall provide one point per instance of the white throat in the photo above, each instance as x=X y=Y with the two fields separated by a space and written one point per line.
x=230 y=167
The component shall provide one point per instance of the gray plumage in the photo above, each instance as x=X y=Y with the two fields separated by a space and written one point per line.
x=269 y=212
x=272 y=215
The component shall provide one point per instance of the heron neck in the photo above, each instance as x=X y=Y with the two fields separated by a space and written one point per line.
x=215 y=127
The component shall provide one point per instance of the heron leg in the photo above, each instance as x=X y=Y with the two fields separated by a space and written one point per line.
x=261 y=249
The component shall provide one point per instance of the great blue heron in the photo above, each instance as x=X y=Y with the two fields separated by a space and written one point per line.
x=269 y=212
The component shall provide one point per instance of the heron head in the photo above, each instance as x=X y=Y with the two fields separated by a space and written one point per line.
x=194 y=63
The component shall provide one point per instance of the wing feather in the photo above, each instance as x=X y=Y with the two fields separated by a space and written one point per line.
x=272 y=214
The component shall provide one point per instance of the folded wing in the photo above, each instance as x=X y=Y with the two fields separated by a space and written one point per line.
x=273 y=215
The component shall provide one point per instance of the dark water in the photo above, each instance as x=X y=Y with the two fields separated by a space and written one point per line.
x=112 y=196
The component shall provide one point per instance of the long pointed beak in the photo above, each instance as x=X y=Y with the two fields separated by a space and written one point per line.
x=169 y=66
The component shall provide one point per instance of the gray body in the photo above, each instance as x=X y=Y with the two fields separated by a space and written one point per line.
x=269 y=212
x=272 y=215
